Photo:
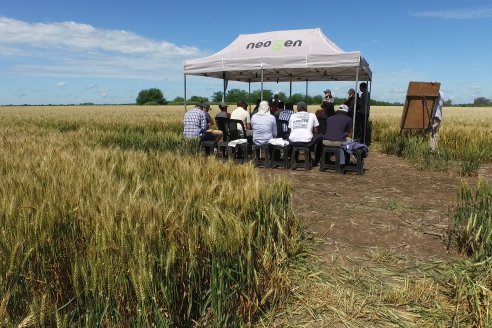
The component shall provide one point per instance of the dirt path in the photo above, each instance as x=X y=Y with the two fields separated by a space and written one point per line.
x=393 y=206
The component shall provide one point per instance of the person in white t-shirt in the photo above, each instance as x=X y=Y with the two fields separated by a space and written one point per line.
x=240 y=113
x=303 y=130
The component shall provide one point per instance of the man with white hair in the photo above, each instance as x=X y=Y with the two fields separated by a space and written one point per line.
x=436 y=118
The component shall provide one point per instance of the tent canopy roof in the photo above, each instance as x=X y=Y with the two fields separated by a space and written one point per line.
x=296 y=55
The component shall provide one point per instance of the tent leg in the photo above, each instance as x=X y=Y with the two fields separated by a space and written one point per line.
x=355 y=102
x=307 y=92
x=224 y=87
x=290 y=88
x=261 y=94
x=185 y=93
x=249 y=94
x=366 y=116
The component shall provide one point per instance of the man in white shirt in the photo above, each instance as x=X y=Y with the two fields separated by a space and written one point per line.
x=240 y=113
x=303 y=131
x=436 y=121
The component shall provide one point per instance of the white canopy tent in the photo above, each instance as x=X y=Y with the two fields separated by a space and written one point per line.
x=281 y=56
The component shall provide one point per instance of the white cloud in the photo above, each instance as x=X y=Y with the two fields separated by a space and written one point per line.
x=464 y=13
x=61 y=84
x=74 y=49
x=476 y=90
x=104 y=94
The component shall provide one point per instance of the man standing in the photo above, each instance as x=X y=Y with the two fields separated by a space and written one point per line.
x=362 y=127
x=195 y=124
x=303 y=130
x=436 y=121
x=350 y=102
x=240 y=113
x=328 y=97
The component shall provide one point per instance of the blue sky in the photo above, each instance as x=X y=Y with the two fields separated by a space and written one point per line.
x=106 y=51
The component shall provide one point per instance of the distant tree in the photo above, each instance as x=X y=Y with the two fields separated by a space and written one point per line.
x=234 y=95
x=482 y=101
x=152 y=96
x=448 y=103
x=198 y=99
x=217 y=96
x=178 y=100
x=297 y=97
x=316 y=100
x=256 y=94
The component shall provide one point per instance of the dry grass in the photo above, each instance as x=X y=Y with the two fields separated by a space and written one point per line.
x=464 y=139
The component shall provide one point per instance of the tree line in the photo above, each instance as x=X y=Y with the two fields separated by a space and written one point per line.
x=154 y=96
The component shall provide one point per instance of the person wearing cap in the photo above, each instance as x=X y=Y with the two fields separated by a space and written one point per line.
x=223 y=111
x=338 y=127
x=195 y=124
x=303 y=130
x=328 y=97
x=350 y=102
x=240 y=113
x=206 y=109
x=217 y=133
x=264 y=125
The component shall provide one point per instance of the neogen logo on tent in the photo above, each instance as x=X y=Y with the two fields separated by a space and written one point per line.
x=277 y=44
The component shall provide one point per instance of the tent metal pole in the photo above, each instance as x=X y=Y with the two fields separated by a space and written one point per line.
x=185 y=93
x=261 y=97
x=306 y=92
x=290 y=88
x=224 y=87
x=249 y=95
x=367 y=105
x=355 y=102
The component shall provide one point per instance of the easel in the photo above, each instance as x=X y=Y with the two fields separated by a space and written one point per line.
x=419 y=104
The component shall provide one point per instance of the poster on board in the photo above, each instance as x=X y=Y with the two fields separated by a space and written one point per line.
x=419 y=102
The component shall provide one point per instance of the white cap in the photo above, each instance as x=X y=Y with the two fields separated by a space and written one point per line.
x=343 y=108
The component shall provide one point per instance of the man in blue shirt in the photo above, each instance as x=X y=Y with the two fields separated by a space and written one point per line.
x=195 y=124
x=338 y=127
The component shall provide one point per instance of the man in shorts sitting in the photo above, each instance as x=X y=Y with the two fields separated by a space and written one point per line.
x=195 y=124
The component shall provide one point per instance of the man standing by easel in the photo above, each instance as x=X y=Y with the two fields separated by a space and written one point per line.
x=436 y=121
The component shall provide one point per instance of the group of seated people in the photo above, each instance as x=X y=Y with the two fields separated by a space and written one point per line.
x=303 y=128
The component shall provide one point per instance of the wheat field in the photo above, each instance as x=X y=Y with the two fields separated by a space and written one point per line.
x=108 y=217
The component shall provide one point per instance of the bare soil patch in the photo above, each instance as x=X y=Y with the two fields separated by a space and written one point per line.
x=393 y=207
